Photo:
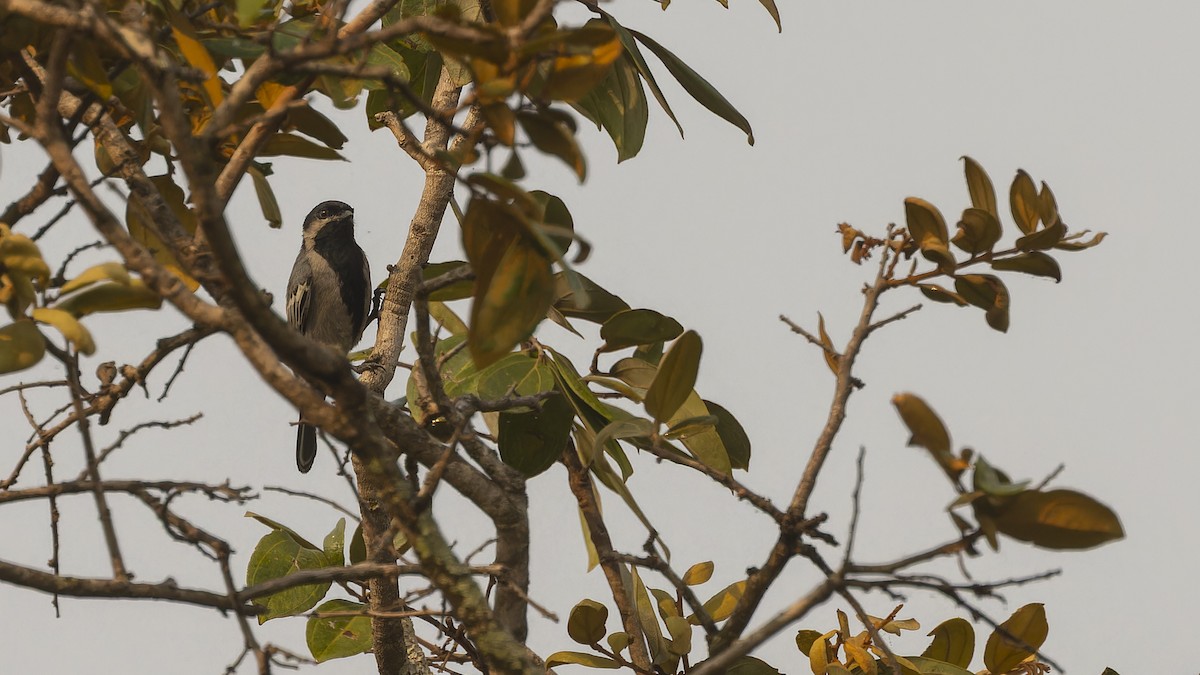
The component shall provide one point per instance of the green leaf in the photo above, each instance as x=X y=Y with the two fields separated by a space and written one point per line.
x=643 y=69
x=337 y=637
x=953 y=642
x=87 y=66
x=594 y=303
x=21 y=346
x=646 y=617
x=689 y=426
x=706 y=445
x=618 y=105
x=582 y=659
x=553 y=137
x=297 y=146
x=334 y=544
x=699 y=573
x=681 y=635
x=1023 y=201
x=676 y=377
x=637 y=327
x=358 y=546
x=532 y=442
x=635 y=427
x=456 y=291
x=732 y=435
x=1035 y=262
x=699 y=88
x=513 y=290
x=515 y=374
x=277 y=555
x=992 y=482
x=586 y=623
x=983 y=195
x=1028 y=625
x=1059 y=520
x=248 y=11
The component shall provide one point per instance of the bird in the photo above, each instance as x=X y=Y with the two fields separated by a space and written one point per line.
x=328 y=294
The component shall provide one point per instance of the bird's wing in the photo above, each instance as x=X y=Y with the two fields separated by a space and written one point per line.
x=299 y=294
x=368 y=296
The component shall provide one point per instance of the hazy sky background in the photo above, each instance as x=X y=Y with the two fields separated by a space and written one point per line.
x=855 y=107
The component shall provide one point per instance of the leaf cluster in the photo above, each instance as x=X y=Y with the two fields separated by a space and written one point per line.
x=25 y=292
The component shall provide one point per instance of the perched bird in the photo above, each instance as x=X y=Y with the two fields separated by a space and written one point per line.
x=328 y=294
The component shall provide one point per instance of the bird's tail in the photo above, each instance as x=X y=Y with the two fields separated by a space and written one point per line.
x=306 y=446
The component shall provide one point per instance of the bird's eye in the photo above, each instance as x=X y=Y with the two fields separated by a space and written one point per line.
x=324 y=213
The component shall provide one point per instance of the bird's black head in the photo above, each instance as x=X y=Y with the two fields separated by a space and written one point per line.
x=333 y=213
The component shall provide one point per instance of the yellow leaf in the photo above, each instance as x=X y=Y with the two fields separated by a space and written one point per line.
x=69 y=326
x=199 y=58
x=110 y=297
x=20 y=253
x=109 y=271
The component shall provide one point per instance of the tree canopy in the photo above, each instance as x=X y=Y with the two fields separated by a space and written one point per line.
x=182 y=102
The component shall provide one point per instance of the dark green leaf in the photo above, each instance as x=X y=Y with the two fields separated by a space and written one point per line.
x=532 y=442
x=697 y=86
x=553 y=137
x=618 y=104
x=732 y=435
x=643 y=69
x=456 y=291
x=637 y=327
x=595 y=304
x=297 y=146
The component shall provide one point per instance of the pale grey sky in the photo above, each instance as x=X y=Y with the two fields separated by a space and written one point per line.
x=855 y=107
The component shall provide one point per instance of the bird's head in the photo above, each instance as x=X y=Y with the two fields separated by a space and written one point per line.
x=328 y=218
